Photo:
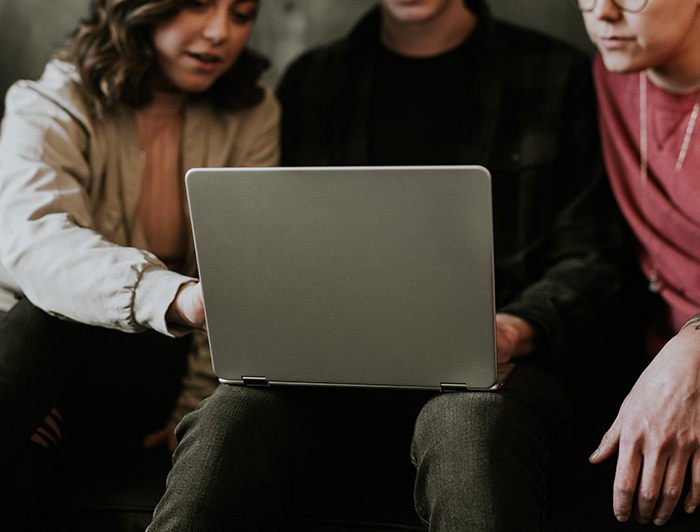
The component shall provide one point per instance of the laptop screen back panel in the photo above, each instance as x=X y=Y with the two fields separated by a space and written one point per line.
x=347 y=276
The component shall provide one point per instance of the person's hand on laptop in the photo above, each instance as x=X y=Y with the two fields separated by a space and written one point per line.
x=514 y=337
x=188 y=307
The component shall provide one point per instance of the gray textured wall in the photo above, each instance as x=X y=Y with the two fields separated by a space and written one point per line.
x=31 y=30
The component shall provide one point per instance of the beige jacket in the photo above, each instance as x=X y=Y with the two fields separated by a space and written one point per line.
x=70 y=237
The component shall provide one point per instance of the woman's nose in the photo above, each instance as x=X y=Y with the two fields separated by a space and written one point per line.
x=216 y=28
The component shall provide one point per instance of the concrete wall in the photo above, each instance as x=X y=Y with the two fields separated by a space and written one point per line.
x=32 y=30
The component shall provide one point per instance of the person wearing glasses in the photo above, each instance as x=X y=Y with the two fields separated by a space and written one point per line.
x=647 y=77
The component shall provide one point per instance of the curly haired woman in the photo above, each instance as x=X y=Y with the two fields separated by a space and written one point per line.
x=94 y=229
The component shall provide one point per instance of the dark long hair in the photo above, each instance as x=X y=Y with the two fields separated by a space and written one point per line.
x=112 y=51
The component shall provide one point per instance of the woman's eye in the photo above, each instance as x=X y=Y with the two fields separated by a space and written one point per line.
x=194 y=4
x=245 y=12
x=244 y=17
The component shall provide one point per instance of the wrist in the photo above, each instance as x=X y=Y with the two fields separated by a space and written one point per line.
x=693 y=323
x=175 y=313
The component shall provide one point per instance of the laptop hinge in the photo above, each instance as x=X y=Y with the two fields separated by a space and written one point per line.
x=452 y=387
x=255 y=381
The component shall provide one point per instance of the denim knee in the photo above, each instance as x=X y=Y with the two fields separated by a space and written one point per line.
x=240 y=457
x=477 y=467
x=233 y=414
x=459 y=430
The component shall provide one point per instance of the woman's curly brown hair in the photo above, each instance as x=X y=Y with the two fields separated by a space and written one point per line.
x=113 y=53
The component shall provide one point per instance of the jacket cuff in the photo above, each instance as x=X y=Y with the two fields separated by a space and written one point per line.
x=154 y=293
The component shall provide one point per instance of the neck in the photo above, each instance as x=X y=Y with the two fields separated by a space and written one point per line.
x=428 y=37
x=166 y=101
x=681 y=74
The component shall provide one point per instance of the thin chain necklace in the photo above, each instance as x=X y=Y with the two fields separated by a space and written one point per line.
x=643 y=160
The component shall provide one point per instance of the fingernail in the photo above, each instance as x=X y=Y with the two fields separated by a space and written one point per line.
x=690 y=509
x=595 y=453
x=659 y=522
x=622 y=518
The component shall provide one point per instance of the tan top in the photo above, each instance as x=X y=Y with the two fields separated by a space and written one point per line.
x=162 y=204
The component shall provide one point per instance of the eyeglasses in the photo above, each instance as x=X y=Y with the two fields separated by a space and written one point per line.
x=631 y=6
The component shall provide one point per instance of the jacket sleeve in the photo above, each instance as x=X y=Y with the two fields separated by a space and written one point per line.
x=572 y=302
x=48 y=240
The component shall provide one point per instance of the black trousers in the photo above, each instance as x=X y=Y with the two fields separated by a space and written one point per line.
x=106 y=384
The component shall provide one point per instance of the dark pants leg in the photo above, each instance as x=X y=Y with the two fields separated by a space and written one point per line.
x=34 y=373
x=239 y=458
x=107 y=384
x=482 y=458
x=245 y=451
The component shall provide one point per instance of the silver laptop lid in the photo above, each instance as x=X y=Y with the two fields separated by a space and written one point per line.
x=350 y=276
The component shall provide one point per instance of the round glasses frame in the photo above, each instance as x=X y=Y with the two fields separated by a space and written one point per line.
x=630 y=6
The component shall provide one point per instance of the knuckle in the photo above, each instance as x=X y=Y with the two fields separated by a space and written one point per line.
x=672 y=492
x=624 y=488
x=631 y=441
x=647 y=496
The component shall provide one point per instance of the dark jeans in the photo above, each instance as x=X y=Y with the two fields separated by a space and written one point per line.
x=106 y=384
x=480 y=457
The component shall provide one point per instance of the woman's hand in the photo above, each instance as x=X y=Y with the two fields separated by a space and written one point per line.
x=188 y=307
x=657 y=434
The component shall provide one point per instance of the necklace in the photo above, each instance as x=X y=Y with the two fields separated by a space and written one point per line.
x=643 y=161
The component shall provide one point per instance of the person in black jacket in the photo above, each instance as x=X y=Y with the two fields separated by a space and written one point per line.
x=432 y=82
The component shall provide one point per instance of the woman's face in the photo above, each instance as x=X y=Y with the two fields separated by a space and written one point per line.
x=201 y=42
x=659 y=36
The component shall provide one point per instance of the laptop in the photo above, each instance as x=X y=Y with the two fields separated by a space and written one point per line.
x=348 y=276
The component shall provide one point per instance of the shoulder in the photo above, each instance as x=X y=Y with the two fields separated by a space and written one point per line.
x=51 y=111
x=267 y=110
x=219 y=137
x=536 y=71
x=56 y=93
x=524 y=50
x=269 y=106
x=317 y=64
x=333 y=61
x=531 y=41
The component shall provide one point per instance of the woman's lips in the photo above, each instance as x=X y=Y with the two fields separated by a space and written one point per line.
x=205 y=60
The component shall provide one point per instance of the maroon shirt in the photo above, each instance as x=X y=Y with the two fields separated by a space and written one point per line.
x=664 y=214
